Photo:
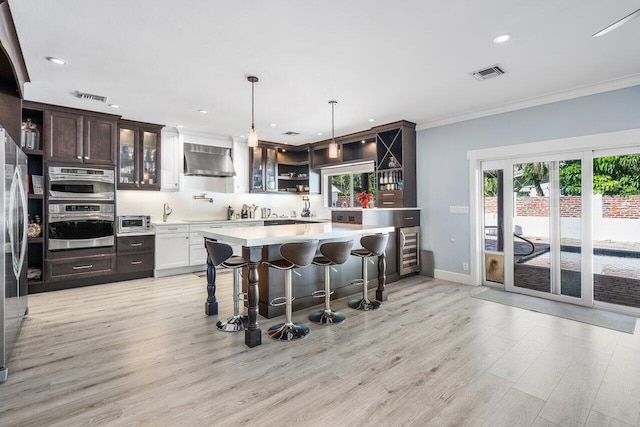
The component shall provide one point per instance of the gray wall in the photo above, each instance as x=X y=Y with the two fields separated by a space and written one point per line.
x=442 y=166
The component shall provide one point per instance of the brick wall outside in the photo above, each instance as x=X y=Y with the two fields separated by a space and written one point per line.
x=626 y=207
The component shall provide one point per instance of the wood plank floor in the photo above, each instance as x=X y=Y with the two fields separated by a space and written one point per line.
x=143 y=353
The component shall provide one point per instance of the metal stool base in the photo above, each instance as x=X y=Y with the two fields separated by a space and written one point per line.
x=362 y=304
x=233 y=324
x=325 y=317
x=288 y=331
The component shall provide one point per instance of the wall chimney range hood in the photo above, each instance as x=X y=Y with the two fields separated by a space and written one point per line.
x=205 y=160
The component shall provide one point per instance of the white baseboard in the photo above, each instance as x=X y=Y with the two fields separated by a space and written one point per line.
x=178 y=270
x=465 y=279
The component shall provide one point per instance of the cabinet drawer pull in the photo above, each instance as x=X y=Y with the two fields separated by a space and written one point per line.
x=82 y=267
x=408 y=217
x=388 y=203
x=136 y=244
x=172 y=228
x=79 y=157
x=387 y=194
x=136 y=262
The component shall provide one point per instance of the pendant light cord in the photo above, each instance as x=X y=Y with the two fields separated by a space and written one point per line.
x=252 y=106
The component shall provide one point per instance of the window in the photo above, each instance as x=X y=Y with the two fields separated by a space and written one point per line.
x=343 y=184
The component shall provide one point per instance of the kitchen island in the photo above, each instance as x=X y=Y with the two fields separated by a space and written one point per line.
x=254 y=241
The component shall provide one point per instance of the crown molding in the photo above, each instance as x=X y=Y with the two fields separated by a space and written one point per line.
x=593 y=89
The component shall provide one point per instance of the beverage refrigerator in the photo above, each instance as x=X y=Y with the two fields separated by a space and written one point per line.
x=13 y=263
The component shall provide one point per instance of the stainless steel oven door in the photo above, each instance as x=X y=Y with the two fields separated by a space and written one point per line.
x=77 y=226
x=69 y=183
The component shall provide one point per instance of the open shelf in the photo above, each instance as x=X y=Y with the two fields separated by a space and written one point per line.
x=35 y=239
x=293 y=178
x=36 y=196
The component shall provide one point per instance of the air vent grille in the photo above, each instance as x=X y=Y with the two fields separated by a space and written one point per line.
x=91 y=97
x=291 y=133
x=488 y=73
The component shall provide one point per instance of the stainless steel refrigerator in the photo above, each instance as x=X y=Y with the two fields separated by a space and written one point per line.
x=14 y=219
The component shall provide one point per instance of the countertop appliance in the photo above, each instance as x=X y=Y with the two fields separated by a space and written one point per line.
x=80 y=225
x=13 y=292
x=79 y=183
x=134 y=224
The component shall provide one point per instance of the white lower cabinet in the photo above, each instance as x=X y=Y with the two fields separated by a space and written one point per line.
x=180 y=248
x=172 y=250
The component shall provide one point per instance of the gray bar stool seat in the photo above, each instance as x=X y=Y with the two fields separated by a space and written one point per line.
x=333 y=253
x=295 y=255
x=372 y=245
x=221 y=255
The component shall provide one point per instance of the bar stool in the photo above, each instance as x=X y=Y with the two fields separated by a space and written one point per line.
x=334 y=253
x=294 y=254
x=372 y=245
x=221 y=254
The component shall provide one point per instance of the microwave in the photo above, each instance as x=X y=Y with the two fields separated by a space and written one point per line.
x=134 y=224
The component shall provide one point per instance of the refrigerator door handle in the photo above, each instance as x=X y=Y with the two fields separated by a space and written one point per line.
x=18 y=195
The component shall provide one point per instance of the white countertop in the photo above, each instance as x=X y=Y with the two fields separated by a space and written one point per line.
x=277 y=234
x=355 y=208
x=237 y=221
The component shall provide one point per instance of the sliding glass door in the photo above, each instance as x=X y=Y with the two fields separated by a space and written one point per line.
x=533 y=228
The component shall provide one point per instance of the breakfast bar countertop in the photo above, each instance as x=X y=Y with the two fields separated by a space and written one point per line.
x=261 y=236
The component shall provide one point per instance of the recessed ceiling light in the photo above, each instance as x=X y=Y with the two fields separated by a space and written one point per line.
x=179 y=126
x=242 y=136
x=56 y=61
x=319 y=133
x=502 y=38
x=272 y=125
x=202 y=111
x=114 y=106
x=372 y=120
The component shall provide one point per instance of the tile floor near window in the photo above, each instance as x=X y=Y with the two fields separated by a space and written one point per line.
x=143 y=352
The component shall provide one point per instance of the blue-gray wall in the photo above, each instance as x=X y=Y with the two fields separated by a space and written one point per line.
x=443 y=171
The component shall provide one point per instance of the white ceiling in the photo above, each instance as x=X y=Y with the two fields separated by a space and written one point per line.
x=162 y=61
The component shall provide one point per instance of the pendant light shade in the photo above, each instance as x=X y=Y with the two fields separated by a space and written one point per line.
x=333 y=145
x=253 y=133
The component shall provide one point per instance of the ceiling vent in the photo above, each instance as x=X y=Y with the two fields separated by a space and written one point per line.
x=488 y=73
x=291 y=133
x=91 y=97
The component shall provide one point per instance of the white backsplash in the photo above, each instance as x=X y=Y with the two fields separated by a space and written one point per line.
x=185 y=207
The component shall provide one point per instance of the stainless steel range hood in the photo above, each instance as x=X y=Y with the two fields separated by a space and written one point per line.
x=205 y=160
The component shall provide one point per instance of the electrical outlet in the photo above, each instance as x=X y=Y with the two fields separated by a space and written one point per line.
x=465 y=266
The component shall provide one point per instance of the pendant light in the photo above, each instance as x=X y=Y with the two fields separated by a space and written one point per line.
x=333 y=145
x=253 y=134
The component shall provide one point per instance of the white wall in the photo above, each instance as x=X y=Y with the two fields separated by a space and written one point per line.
x=443 y=171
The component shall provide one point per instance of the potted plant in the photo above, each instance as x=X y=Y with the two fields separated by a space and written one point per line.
x=364 y=198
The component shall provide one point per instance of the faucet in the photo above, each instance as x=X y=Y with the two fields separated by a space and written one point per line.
x=167 y=212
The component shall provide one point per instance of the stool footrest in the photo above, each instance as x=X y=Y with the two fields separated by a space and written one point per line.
x=320 y=293
x=278 y=301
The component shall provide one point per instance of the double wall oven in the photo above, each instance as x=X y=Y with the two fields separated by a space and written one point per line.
x=81 y=210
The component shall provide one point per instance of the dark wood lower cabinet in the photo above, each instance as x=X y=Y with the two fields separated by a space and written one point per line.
x=135 y=255
x=80 y=267
x=135 y=263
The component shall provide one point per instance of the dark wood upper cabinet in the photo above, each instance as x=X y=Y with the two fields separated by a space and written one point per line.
x=72 y=137
x=63 y=141
x=100 y=141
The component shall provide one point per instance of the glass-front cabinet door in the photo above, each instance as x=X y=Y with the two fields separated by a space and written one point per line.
x=271 y=169
x=256 y=169
x=264 y=169
x=149 y=158
x=138 y=156
x=127 y=159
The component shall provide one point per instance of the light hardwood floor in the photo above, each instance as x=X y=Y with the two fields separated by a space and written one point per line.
x=143 y=353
